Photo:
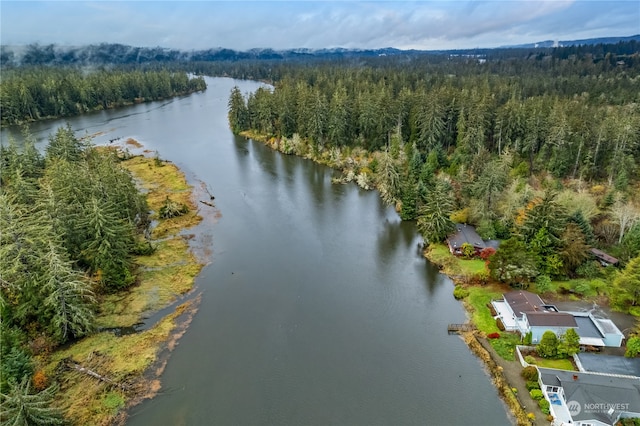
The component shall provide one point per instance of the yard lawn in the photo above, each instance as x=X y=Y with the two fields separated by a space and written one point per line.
x=478 y=299
x=453 y=265
x=505 y=346
x=560 y=364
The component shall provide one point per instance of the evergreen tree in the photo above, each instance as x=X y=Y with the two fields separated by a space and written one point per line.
x=65 y=146
x=586 y=228
x=238 y=113
x=20 y=407
x=107 y=248
x=388 y=178
x=433 y=217
x=69 y=299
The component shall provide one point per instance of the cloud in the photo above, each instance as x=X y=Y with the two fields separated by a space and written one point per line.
x=314 y=24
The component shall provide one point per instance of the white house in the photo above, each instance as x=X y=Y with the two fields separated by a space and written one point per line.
x=595 y=399
x=524 y=312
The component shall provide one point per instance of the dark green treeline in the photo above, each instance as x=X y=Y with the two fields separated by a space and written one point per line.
x=32 y=93
x=584 y=125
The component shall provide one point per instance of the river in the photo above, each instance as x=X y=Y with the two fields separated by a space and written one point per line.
x=317 y=307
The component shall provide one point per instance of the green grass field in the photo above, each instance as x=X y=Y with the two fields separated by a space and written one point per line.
x=560 y=364
x=478 y=299
x=452 y=265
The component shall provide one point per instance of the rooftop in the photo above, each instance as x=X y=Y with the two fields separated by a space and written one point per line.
x=523 y=301
x=600 y=397
x=603 y=256
x=586 y=327
x=551 y=319
x=611 y=364
x=465 y=234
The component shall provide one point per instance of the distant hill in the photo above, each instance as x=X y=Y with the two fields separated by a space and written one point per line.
x=117 y=54
x=583 y=42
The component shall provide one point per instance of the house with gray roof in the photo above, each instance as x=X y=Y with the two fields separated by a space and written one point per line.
x=596 y=399
x=538 y=323
x=523 y=312
x=465 y=234
x=512 y=307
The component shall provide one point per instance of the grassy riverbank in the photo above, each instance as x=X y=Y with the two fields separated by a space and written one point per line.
x=119 y=362
x=498 y=355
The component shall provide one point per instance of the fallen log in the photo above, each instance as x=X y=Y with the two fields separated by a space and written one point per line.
x=207 y=203
x=77 y=367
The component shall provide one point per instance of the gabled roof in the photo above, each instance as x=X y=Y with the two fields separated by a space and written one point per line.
x=551 y=319
x=465 y=234
x=596 y=393
x=523 y=301
x=603 y=256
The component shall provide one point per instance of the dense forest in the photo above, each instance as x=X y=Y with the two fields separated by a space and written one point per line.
x=32 y=93
x=71 y=221
x=541 y=153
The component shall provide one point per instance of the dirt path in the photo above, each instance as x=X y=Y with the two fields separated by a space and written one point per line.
x=511 y=371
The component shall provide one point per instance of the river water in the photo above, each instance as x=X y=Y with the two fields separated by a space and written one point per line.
x=317 y=307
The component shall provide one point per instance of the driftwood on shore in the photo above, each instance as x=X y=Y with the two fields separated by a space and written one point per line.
x=72 y=365
x=207 y=203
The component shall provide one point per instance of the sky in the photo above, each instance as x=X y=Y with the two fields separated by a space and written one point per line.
x=243 y=25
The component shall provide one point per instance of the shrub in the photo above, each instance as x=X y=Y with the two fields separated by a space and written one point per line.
x=487 y=252
x=544 y=406
x=589 y=269
x=157 y=161
x=172 y=209
x=500 y=324
x=633 y=347
x=530 y=385
x=543 y=283
x=460 y=216
x=536 y=394
x=143 y=248
x=582 y=287
x=529 y=359
x=467 y=250
x=40 y=380
x=569 y=345
x=460 y=292
x=493 y=336
x=531 y=417
x=529 y=373
x=548 y=347
x=528 y=338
